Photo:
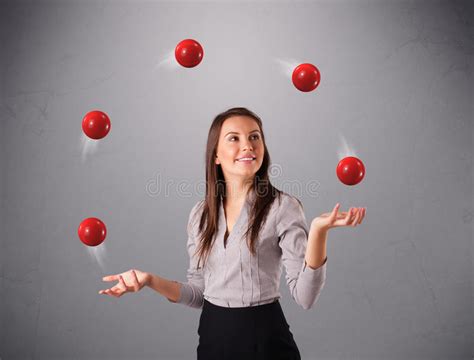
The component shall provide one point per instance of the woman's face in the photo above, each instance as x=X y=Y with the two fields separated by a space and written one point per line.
x=239 y=141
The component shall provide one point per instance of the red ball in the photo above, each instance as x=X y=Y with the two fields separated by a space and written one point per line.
x=189 y=53
x=96 y=124
x=92 y=231
x=350 y=170
x=306 y=77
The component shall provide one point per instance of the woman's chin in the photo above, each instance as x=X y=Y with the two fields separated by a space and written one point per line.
x=245 y=174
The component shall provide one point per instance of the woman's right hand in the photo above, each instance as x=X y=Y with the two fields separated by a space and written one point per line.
x=129 y=281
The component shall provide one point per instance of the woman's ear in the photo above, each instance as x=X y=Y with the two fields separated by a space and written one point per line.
x=217 y=161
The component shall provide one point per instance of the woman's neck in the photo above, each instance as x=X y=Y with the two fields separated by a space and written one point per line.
x=237 y=191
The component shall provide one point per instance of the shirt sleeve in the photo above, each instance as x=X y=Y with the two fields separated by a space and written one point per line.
x=191 y=293
x=304 y=282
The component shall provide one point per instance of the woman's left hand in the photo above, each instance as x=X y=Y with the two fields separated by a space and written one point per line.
x=326 y=221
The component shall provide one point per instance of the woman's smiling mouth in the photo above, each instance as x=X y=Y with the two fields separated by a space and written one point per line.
x=246 y=160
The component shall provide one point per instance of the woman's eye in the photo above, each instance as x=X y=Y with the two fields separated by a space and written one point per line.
x=254 y=137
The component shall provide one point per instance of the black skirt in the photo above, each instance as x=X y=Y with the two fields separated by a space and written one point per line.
x=245 y=333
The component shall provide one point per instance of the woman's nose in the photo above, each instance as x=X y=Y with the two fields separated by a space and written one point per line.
x=247 y=145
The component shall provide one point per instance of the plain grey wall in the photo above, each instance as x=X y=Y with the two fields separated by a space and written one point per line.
x=395 y=84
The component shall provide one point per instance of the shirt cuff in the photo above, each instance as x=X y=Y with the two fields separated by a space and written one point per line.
x=187 y=294
x=309 y=267
x=314 y=275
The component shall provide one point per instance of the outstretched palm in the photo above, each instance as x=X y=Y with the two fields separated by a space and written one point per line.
x=326 y=221
x=128 y=281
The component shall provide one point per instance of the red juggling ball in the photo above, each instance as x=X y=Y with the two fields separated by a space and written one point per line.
x=350 y=170
x=96 y=124
x=189 y=53
x=306 y=77
x=92 y=231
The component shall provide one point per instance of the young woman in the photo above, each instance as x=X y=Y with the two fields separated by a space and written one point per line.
x=238 y=237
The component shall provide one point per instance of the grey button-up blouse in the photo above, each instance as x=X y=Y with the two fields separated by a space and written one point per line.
x=232 y=277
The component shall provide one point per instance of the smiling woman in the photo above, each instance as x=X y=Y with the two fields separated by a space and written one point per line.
x=241 y=314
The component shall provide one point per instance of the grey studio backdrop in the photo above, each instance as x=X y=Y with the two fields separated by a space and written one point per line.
x=395 y=88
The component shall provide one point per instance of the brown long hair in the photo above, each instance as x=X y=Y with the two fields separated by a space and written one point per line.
x=265 y=192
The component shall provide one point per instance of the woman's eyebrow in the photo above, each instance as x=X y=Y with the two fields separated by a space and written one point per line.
x=234 y=132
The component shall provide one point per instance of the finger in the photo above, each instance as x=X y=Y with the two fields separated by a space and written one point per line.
x=110 y=292
x=110 y=278
x=363 y=215
x=122 y=283
x=353 y=217
x=348 y=217
x=357 y=217
x=118 y=291
x=334 y=211
x=117 y=294
x=355 y=213
x=135 y=282
x=355 y=221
